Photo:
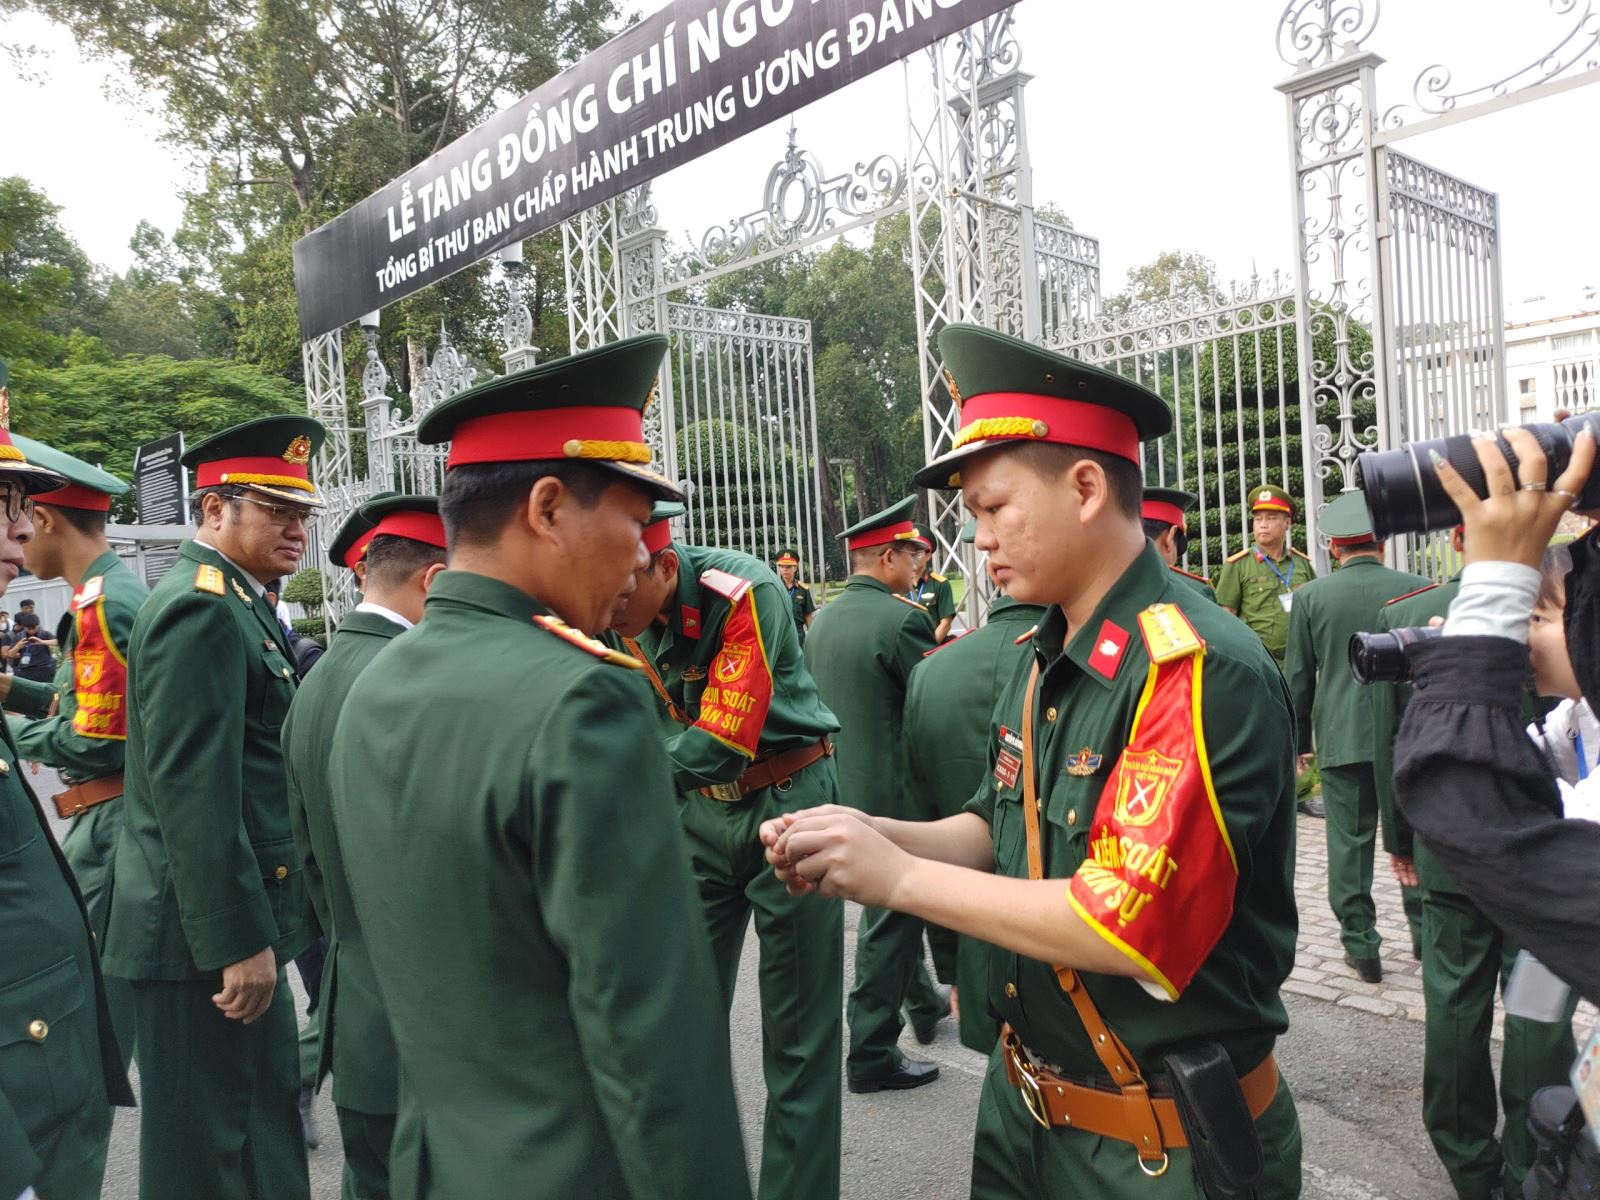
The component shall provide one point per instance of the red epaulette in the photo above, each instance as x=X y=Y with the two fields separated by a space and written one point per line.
x=912 y=603
x=1192 y=575
x=1026 y=636
x=729 y=586
x=1408 y=595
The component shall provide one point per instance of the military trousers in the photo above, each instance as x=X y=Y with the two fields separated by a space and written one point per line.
x=964 y=962
x=801 y=976
x=1016 y=1158
x=367 y=1139
x=74 y=1153
x=218 y=1099
x=890 y=976
x=1350 y=796
x=90 y=846
x=1464 y=959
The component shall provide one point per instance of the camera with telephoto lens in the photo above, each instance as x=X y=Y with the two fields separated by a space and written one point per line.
x=1403 y=490
x=1381 y=657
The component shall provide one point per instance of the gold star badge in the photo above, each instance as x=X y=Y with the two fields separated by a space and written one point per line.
x=950 y=382
x=299 y=451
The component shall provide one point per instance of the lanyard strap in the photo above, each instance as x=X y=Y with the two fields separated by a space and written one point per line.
x=676 y=713
x=1286 y=580
x=1577 y=740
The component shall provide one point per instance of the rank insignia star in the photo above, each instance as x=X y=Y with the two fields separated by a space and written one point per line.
x=1084 y=762
x=299 y=451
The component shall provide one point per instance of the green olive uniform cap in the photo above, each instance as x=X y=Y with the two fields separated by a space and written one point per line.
x=1269 y=497
x=270 y=455
x=74 y=470
x=1346 y=516
x=892 y=525
x=15 y=466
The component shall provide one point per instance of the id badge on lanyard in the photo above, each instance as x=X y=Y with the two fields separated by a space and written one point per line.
x=1285 y=597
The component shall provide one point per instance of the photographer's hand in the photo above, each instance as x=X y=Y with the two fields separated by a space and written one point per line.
x=1515 y=523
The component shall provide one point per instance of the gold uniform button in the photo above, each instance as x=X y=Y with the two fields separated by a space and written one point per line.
x=282 y=872
x=1072 y=816
x=288 y=671
x=1011 y=991
x=5 y=767
x=38 y=1030
x=1049 y=714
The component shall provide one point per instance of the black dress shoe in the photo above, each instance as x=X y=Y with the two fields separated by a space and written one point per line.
x=909 y=1074
x=1369 y=969
x=1311 y=806
x=926 y=1028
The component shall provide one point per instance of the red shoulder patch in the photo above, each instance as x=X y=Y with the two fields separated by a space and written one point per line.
x=1192 y=575
x=949 y=641
x=912 y=603
x=1408 y=595
x=724 y=584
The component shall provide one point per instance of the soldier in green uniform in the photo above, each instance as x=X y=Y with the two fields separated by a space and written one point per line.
x=1257 y=584
x=60 y=1067
x=1465 y=959
x=398 y=543
x=800 y=597
x=1330 y=704
x=210 y=902
x=951 y=696
x=933 y=591
x=515 y=834
x=79 y=726
x=861 y=652
x=1134 y=828
x=747 y=736
x=1166 y=523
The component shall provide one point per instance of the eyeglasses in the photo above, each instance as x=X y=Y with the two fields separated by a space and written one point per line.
x=281 y=515
x=18 y=503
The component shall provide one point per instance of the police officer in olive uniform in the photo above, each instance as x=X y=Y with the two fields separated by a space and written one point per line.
x=748 y=739
x=933 y=591
x=85 y=734
x=60 y=1066
x=800 y=597
x=1257 y=584
x=398 y=543
x=1465 y=959
x=861 y=652
x=1166 y=524
x=515 y=833
x=1339 y=711
x=210 y=902
x=951 y=696
x=1161 y=811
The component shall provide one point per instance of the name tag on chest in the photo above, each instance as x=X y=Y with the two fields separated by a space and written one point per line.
x=1007 y=767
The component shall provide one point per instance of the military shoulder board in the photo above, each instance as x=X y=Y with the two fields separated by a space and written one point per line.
x=584 y=642
x=1237 y=556
x=1167 y=633
x=1298 y=553
x=1193 y=576
x=209 y=579
x=1026 y=636
x=1408 y=595
x=906 y=600
x=950 y=641
x=90 y=592
x=728 y=586
x=936 y=577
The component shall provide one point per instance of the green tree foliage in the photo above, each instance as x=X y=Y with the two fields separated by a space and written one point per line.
x=1170 y=272
x=48 y=287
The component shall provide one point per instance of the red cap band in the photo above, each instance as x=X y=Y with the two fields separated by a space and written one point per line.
x=905 y=531
x=1068 y=422
x=658 y=537
x=358 y=549
x=211 y=474
x=1161 y=510
x=541 y=433
x=424 y=527
x=1273 y=505
x=788 y=560
x=1360 y=539
x=74 y=496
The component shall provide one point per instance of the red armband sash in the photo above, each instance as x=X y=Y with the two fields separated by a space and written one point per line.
x=738 y=693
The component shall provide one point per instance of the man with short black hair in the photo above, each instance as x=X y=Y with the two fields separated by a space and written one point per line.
x=1164 y=515
x=800 y=597
x=932 y=590
x=517 y=834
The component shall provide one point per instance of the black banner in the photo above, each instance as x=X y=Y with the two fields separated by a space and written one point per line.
x=673 y=87
x=160 y=485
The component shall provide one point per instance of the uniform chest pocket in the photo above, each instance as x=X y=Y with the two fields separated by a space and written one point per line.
x=1260 y=585
x=19 y=827
x=277 y=688
x=49 y=1058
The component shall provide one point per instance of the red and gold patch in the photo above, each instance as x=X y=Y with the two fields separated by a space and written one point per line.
x=734 y=706
x=299 y=451
x=99 y=673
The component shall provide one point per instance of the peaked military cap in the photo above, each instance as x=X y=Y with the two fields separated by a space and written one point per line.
x=1167 y=505
x=85 y=487
x=388 y=514
x=1269 y=497
x=786 y=558
x=14 y=464
x=271 y=455
x=658 y=534
x=349 y=545
x=1346 y=520
x=893 y=524
x=923 y=535
x=1009 y=390
x=586 y=407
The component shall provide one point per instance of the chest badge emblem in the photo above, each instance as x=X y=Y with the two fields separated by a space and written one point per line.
x=1084 y=762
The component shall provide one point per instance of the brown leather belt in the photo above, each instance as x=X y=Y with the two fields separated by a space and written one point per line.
x=79 y=799
x=773 y=770
x=1056 y=1101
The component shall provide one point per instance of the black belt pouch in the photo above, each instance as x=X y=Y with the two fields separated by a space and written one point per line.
x=1223 y=1143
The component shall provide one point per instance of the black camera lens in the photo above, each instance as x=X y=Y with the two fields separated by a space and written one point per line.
x=1404 y=494
x=1381 y=657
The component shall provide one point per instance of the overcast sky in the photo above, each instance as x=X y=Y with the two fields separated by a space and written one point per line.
x=1154 y=123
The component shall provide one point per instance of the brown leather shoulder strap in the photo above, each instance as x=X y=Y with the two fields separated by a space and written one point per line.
x=676 y=713
x=1108 y=1047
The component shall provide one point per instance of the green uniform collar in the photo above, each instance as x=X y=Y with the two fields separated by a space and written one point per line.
x=369 y=622
x=1146 y=576
x=1363 y=561
x=867 y=581
x=467 y=589
x=103 y=564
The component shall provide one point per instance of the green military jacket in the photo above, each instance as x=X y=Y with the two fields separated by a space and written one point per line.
x=1198 y=582
x=90 y=745
x=1327 y=699
x=207 y=873
x=516 y=861
x=1255 y=588
x=934 y=593
x=804 y=605
x=356 y=1043
x=1141 y=835
x=731 y=667
x=861 y=651
x=1389 y=705
x=58 y=1054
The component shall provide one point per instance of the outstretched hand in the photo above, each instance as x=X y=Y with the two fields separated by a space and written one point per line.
x=836 y=851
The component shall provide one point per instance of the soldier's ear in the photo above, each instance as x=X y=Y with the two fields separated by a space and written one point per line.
x=432 y=573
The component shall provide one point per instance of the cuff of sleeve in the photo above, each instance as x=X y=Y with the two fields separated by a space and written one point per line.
x=1494 y=601
x=1468 y=670
x=220 y=939
x=30 y=697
